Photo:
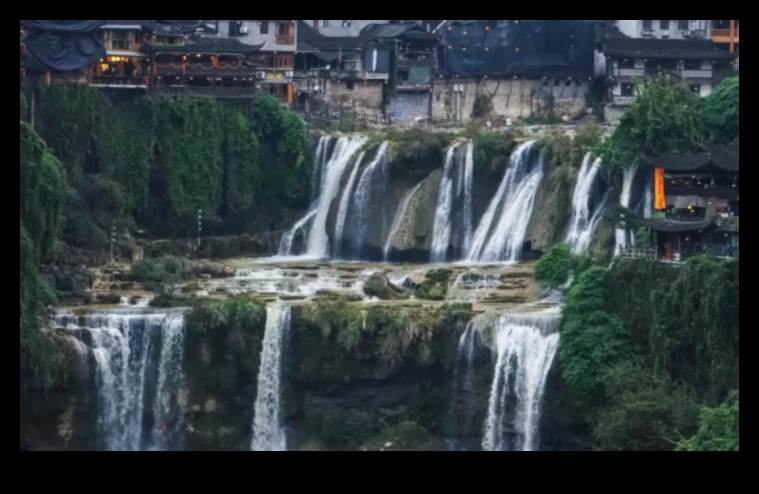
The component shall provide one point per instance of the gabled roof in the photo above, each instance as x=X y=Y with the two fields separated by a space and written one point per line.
x=673 y=226
x=207 y=45
x=724 y=157
x=679 y=49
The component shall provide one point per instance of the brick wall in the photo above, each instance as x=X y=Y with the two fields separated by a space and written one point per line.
x=502 y=98
x=407 y=107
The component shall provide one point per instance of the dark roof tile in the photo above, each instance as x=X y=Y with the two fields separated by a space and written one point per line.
x=664 y=48
x=672 y=226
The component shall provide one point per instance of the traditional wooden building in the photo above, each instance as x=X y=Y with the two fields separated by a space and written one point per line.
x=200 y=66
x=696 y=197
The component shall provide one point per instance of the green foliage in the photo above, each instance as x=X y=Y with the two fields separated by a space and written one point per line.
x=646 y=413
x=434 y=286
x=537 y=119
x=226 y=338
x=492 y=151
x=23 y=106
x=718 y=428
x=168 y=270
x=665 y=118
x=720 y=111
x=556 y=267
x=592 y=340
x=695 y=332
x=416 y=151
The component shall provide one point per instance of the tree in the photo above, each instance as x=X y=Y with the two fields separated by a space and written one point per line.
x=720 y=112
x=717 y=428
x=665 y=118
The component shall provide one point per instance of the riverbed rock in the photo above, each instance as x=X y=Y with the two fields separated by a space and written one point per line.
x=377 y=285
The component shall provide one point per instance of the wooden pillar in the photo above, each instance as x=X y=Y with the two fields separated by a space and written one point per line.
x=290 y=93
x=732 y=36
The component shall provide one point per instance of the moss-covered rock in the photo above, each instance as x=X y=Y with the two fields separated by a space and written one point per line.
x=377 y=285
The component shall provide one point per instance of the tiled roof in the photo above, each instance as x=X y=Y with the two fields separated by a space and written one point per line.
x=673 y=226
x=724 y=157
x=664 y=48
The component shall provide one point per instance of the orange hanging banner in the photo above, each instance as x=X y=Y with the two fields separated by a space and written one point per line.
x=659 y=202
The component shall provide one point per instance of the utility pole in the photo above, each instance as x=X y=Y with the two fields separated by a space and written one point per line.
x=113 y=237
x=200 y=216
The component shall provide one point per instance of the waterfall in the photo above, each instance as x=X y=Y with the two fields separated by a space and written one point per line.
x=268 y=433
x=398 y=220
x=499 y=237
x=621 y=235
x=330 y=170
x=372 y=185
x=128 y=382
x=526 y=345
x=463 y=370
x=468 y=197
x=345 y=201
x=82 y=354
x=320 y=158
x=585 y=216
x=345 y=149
x=441 y=230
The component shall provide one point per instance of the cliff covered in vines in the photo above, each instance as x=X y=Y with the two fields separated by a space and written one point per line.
x=151 y=163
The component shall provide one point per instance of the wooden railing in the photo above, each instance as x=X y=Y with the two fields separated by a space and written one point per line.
x=284 y=40
x=638 y=253
x=723 y=33
x=720 y=250
x=115 y=81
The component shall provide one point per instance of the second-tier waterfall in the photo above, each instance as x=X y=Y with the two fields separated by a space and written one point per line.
x=138 y=363
x=526 y=345
x=268 y=432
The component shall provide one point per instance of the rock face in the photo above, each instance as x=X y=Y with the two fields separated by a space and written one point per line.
x=550 y=214
x=264 y=244
x=379 y=286
x=414 y=237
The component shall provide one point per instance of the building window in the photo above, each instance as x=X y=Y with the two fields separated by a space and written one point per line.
x=627 y=89
x=346 y=23
x=692 y=65
x=627 y=63
x=283 y=29
x=664 y=25
x=568 y=82
x=121 y=40
x=648 y=25
x=264 y=27
x=325 y=23
x=682 y=25
x=696 y=88
x=349 y=85
x=234 y=28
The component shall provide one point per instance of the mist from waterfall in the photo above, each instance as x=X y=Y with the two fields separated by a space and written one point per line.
x=268 y=431
x=501 y=231
x=138 y=364
x=526 y=345
x=586 y=213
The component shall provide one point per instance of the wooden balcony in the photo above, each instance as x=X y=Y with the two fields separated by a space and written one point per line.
x=205 y=69
x=284 y=40
x=685 y=251
x=726 y=193
x=119 y=82
x=724 y=35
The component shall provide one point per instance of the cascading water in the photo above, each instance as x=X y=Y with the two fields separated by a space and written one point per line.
x=585 y=214
x=345 y=200
x=468 y=195
x=314 y=223
x=500 y=235
x=398 y=220
x=622 y=236
x=124 y=349
x=320 y=158
x=463 y=370
x=441 y=230
x=268 y=433
x=526 y=345
x=372 y=185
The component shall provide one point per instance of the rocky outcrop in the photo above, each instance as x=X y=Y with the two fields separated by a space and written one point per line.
x=259 y=245
x=379 y=286
x=551 y=212
x=414 y=237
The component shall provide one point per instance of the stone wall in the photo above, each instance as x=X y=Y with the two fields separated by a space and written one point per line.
x=363 y=97
x=498 y=99
x=408 y=107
